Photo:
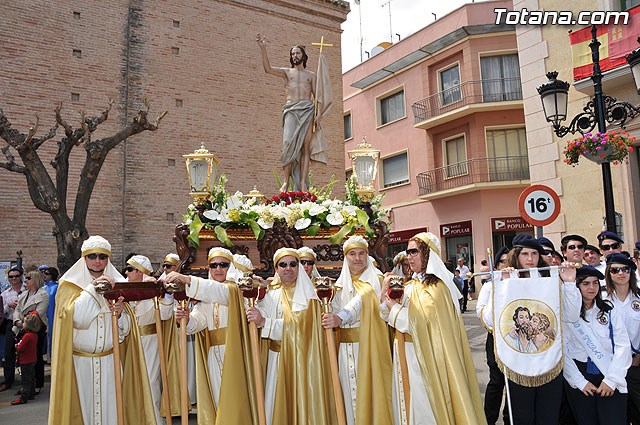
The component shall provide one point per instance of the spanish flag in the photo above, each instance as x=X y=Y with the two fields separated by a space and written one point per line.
x=616 y=41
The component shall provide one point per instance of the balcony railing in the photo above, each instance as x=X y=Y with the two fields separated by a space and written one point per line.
x=479 y=91
x=477 y=170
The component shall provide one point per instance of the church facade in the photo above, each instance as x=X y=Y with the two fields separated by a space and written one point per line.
x=199 y=61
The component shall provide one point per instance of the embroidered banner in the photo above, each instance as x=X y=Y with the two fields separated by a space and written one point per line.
x=527 y=323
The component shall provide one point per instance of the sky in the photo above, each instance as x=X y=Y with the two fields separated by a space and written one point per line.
x=407 y=17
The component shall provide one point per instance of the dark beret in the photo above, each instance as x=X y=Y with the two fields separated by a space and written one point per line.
x=609 y=235
x=546 y=242
x=525 y=240
x=617 y=258
x=568 y=238
x=637 y=245
x=587 y=270
x=593 y=248
x=499 y=254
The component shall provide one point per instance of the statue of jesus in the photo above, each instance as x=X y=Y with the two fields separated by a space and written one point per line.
x=298 y=115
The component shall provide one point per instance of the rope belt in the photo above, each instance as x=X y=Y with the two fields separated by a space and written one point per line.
x=147 y=329
x=86 y=354
x=407 y=338
x=217 y=337
x=348 y=335
x=275 y=345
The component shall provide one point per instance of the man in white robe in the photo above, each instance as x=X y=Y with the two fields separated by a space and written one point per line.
x=139 y=269
x=359 y=278
x=83 y=378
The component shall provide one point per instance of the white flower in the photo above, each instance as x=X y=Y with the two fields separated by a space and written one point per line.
x=315 y=209
x=302 y=223
x=224 y=216
x=335 y=219
x=265 y=224
x=350 y=209
x=235 y=201
x=212 y=215
x=281 y=212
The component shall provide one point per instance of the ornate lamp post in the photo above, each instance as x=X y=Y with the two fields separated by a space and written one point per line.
x=599 y=111
x=202 y=168
x=364 y=162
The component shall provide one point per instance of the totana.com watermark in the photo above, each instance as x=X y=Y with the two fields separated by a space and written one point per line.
x=560 y=17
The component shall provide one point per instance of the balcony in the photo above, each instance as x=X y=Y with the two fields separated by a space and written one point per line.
x=466 y=98
x=474 y=174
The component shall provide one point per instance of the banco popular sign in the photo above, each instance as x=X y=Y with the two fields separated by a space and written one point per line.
x=460 y=228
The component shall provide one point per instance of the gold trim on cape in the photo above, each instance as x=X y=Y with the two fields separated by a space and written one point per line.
x=443 y=353
x=86 y=354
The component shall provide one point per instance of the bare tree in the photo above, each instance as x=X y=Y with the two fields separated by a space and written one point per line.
x=50 y=196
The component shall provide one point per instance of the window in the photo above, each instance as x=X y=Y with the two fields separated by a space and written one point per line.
x=500 y=78
x=77 y=53
x=507 y=151
x=392 y=107
x=450 y=83
x=629 y=4
x=175 y=50
x=456 y=156
x=395 y=170
x=176 y=24
x=347 y=126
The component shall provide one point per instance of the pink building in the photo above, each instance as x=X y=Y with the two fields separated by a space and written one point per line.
x=444 y=106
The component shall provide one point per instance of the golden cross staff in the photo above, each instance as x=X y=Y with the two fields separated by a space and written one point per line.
x=315 y=97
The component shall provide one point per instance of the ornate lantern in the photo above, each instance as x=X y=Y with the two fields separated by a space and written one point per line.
x=554 y=95
x=202 y=168
x=364 y=161
x=633 y=59
x=258 y=198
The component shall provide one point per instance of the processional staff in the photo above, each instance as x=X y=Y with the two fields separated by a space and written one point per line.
x=253 y=293
x=326 y=291
x=396 y=291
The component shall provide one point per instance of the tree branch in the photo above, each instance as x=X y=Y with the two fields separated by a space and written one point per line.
x=67 y=128
x=97 y=120
x=11 y=162
x=49 y=135
x=32 y=131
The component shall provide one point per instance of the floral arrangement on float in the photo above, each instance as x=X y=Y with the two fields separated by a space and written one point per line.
x=307 y=212
x=613 y=147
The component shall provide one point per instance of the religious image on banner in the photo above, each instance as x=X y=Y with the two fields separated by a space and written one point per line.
x=527 y=324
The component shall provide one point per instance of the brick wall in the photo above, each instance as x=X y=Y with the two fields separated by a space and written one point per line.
x=213 y=86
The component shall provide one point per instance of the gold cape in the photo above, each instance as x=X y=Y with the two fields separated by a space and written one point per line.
x=443 y=352
x=375 y=368
x=172 y=355
x=64 y=402
x=303 y=392
x=238 y=403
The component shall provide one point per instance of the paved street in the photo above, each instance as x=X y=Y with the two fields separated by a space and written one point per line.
x=36 y=411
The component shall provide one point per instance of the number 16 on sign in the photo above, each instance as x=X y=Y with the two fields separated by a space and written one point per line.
x=539 y=205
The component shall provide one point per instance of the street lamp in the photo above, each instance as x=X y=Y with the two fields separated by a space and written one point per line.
x=633 y=59
x=600 y=110
x=202 y=165
x=364 y=162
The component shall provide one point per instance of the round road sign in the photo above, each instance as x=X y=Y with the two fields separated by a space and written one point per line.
x=539 y=205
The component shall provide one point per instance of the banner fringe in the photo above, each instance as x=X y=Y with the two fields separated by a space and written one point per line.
x=531 y=381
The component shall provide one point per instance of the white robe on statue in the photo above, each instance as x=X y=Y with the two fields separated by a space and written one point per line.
x=421 y=412
x=145 y=315
x=271 y=309
x=92 y=334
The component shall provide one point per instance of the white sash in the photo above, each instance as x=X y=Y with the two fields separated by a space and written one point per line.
x=592 y=344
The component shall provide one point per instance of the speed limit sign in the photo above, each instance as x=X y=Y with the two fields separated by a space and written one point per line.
x=539 y=205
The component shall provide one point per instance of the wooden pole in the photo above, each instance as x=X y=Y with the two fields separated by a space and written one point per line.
x=115 y=336
x=404 y=370
x=184 y=399
x=163 y=362
x=257 y=370
x=335 y=377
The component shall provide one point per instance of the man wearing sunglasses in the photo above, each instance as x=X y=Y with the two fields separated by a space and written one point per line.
x=9 y=303
x=219 y=324
x=82 y=370
x=139 y=269
x=572 y=247
x=298 y=363
x=364 y=355
x=610 y=243
x=308 y=261
x=169 y=264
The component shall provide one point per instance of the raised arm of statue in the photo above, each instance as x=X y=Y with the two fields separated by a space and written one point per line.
x=278 y=72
